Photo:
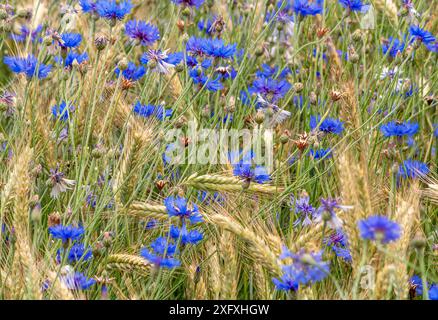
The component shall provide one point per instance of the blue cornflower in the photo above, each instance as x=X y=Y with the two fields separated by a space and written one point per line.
x=321 y=153
x=307 y=268
x=25 y=32
x=149 y=110
x=145 y=33
x=218 y=49
x=77 y=281
x=206 y=26
x=210 y=84
x=66 y=233
x=303 y=209
x=432 y=47
x=189 y=3
x=412 y=169
x=78 y=252
x=70 y=40
x=249 y=172
x=354 y=5
x=133 y=72
x=435 y=130
x=162 y=61
x=339 y=244
x=421 y=35
x=88 y=6
x=28 y=66
x=62 y=111
x=195 y=46
x=161 y=254
x=270 y=72
x=178 y=207
x=328 y=125
x=72 y=56
x=326 y=211
x=110 y=9
x=433 y=292
x=417 y=284
x=399 y=129
x=185 y=236
x=305 y=8
x=394 y=46
x=287 y=282
x=270 y=89
x=379 y=228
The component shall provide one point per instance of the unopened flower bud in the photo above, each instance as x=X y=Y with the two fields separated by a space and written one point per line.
x=259 y=117
x=101 y=41
x=298 y=87
x=186 y=12
x=123 y=64
x=357 y=35
x=3 y=14
x=54 y=219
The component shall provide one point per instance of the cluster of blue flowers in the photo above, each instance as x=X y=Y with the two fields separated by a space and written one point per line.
x=72 y=252
x=163 y=251
x=417 y=286
x=147 y=111
x=306 y=269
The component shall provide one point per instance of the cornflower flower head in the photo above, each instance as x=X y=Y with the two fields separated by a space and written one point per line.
x=133 y=72
x=246 y=170
x=327 y=212
x=321 y=153
x=59 y=183
x=432 y=47
x=149 y=110
x=178 y=207
x=412 y=169
x=111 y=10
x=416 y=284
x=73 y=56
x=421 y=35
x=29 y=66
x=328 y=125
x=8 y=99
x=185 y=236
x=267 y=71
x=77 y=281
x=393 y=47
x=144 y=33
x=25 y=33
x=379 y=228
x=88 y=6
x=270 y=89
x=433 y=292
x=355 y=5
x=306 y=8
x=189 y=3
x=288 y=281
x=206 y=26
x=399 y=129
x=196 y=47
x=338 y=242
x=62 y=111
x=216 y=48
x=307 y=267
x=202 y=80
x=162 y=253
x=70 y=40
x=78 y=252
x=303 y=209
x=66 y=233
x=160 y=61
